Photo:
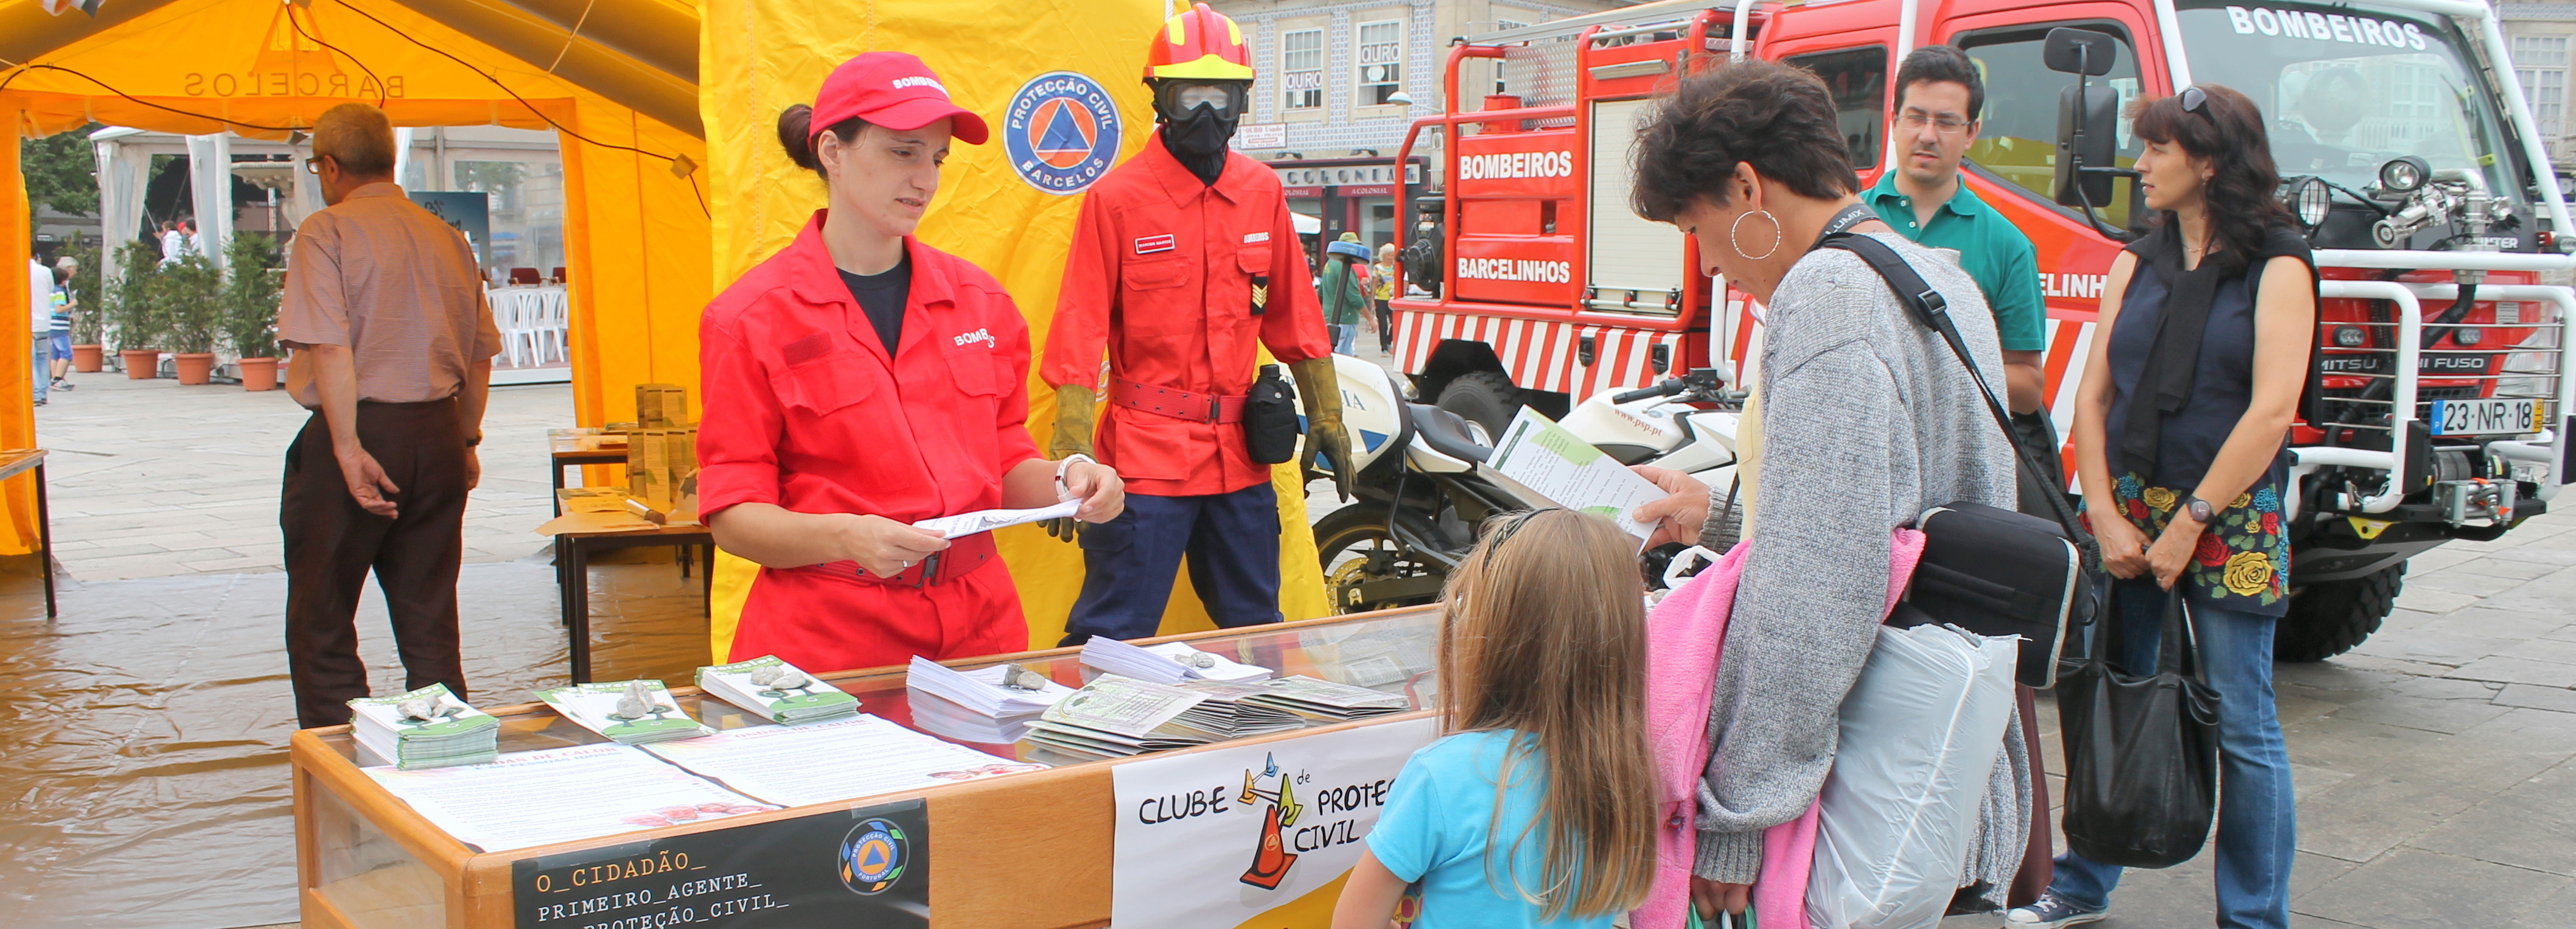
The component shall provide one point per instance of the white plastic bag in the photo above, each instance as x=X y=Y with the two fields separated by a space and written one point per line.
x=1919 y=736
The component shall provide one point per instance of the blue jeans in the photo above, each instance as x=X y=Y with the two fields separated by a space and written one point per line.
x=1129 y=563
x=41 y=364
x=2257 y=813
x=1343 y=335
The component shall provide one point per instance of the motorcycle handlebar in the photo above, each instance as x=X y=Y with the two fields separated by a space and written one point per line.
x=1669 y=387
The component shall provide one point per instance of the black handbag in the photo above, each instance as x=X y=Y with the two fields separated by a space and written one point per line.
x=2141 y=749
x=1986 y=569
x=1270 y=425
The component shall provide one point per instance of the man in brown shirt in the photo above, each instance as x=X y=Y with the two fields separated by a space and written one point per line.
x=394 y=343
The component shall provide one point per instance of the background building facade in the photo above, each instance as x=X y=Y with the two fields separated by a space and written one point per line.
x=2541 y=34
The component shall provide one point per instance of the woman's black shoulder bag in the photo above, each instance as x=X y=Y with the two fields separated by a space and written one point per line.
x=1986 y=569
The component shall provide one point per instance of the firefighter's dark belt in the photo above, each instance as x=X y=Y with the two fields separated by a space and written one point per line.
x=1177 y=404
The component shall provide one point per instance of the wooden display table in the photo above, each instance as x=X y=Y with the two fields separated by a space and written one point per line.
x=1021 y=851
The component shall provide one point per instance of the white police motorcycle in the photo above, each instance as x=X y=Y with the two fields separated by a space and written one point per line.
x=1423 y=486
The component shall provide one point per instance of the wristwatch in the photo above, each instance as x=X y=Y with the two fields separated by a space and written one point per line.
x=1061 y=493
x=2200 y=510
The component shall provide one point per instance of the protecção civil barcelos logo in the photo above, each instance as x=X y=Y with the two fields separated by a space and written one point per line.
x=874 y=856
x=1061 y=132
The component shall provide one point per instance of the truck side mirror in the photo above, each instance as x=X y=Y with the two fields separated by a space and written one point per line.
x=2086 y=139
x=2081 y=52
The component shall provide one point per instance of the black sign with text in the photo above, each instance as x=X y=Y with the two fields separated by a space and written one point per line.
x=862 y=867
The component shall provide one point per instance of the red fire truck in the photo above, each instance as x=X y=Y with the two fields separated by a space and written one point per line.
x=2406 y=145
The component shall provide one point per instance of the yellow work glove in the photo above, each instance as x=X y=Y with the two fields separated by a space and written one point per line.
x=1073 y=403
x=1320 y=389
x=1073 y=407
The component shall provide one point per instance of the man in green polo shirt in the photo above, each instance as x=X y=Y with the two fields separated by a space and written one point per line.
x=1939 y=97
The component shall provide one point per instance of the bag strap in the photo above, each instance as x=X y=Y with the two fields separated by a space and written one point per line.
x=2179 y=652
x=1931 y=309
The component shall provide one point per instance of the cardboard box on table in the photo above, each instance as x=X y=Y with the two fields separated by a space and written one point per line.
x=1023 y=851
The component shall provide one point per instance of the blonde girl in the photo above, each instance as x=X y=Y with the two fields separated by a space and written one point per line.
x=1537 y=809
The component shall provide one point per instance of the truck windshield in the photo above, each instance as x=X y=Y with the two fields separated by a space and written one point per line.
x=2348 y=87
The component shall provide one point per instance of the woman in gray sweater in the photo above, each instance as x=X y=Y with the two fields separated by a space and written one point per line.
x=1867 y=419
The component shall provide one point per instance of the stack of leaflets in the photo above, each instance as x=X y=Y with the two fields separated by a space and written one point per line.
x=633 y=712
x=948 y=720
x=1325 y=701
x=426 y=728
x=1168 y=663
x=986 y=690
x=776 y=691
x=1116 y=716
x=1231 y=708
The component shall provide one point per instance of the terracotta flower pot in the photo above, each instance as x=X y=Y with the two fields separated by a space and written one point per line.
x=141 y=365
x=87 y=359
x=194 y=366
x=259 y=373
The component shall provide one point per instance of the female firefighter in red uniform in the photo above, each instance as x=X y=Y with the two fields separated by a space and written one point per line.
x=859 y=381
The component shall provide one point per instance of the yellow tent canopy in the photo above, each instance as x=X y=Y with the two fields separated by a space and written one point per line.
x=623 y=95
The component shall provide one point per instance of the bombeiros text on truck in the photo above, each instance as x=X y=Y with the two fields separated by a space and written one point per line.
x=2409 y=159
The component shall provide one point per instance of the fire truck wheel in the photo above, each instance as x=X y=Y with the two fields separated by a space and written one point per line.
x=2329 y=618
x=1486 y=398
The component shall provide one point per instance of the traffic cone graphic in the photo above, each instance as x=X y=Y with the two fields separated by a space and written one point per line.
x=1270 y=863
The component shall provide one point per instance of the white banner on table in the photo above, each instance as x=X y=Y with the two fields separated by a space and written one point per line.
x=842 y=759
x=1240 y=836
x=527 y=799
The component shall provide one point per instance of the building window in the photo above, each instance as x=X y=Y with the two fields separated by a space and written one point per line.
x=2541 y=62
x=1381 y=61
x=1301 y=67
x=1502 y=83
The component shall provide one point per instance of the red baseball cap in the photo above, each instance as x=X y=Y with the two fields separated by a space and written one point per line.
x=894 y=90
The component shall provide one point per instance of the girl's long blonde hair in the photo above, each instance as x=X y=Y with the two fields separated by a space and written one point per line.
x=1545 y=635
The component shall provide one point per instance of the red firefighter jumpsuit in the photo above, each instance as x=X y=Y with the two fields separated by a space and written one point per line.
x=1162 y=274
x=807 y=410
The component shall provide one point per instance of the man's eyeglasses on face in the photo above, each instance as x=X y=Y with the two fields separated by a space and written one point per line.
x=1915 y=120
x=313 y=165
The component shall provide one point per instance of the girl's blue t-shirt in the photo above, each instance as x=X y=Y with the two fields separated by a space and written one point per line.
x=1441 y=821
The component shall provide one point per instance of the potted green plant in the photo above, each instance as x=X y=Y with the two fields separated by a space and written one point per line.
x=251 y=287
x=190 y=295
x=89 y=302
x=131 y=310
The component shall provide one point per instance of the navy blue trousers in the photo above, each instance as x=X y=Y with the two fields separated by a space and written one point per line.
x=1232 y=541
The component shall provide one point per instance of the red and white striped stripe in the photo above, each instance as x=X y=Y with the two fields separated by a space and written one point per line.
x=1543 y=354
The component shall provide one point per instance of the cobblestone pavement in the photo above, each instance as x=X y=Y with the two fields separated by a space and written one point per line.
x=2433 y=763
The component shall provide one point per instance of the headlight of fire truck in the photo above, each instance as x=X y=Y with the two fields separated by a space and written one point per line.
x=2309 y=200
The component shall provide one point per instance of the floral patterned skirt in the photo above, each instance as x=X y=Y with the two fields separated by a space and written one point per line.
x=2243 y=562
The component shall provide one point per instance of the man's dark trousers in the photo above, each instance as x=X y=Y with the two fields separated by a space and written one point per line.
x=1232 y=540
x=331 y=544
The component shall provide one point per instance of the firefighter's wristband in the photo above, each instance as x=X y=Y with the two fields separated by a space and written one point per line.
x=1066 y=465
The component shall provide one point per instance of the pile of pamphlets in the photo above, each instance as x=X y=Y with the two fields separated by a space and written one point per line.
x=1325 y=701
x=776 y=690
x=1168 y=663
x=633 y=712
x=426 y=728
x=1234 y=708
x=988 y=691
x=1118 y=716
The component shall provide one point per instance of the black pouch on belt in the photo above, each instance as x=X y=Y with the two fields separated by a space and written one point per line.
x=1270 y=424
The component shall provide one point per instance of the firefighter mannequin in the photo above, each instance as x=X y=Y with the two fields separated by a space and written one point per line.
x=1183 y=261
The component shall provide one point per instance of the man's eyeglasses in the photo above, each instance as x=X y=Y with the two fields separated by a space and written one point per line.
x=313 y=165
x=1915 y=120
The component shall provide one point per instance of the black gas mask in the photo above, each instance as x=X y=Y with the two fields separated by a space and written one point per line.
x=1199 y=119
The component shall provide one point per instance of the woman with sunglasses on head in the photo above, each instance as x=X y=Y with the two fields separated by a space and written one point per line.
x=859 y=381
x=1868 y=418
x=2180 y=429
